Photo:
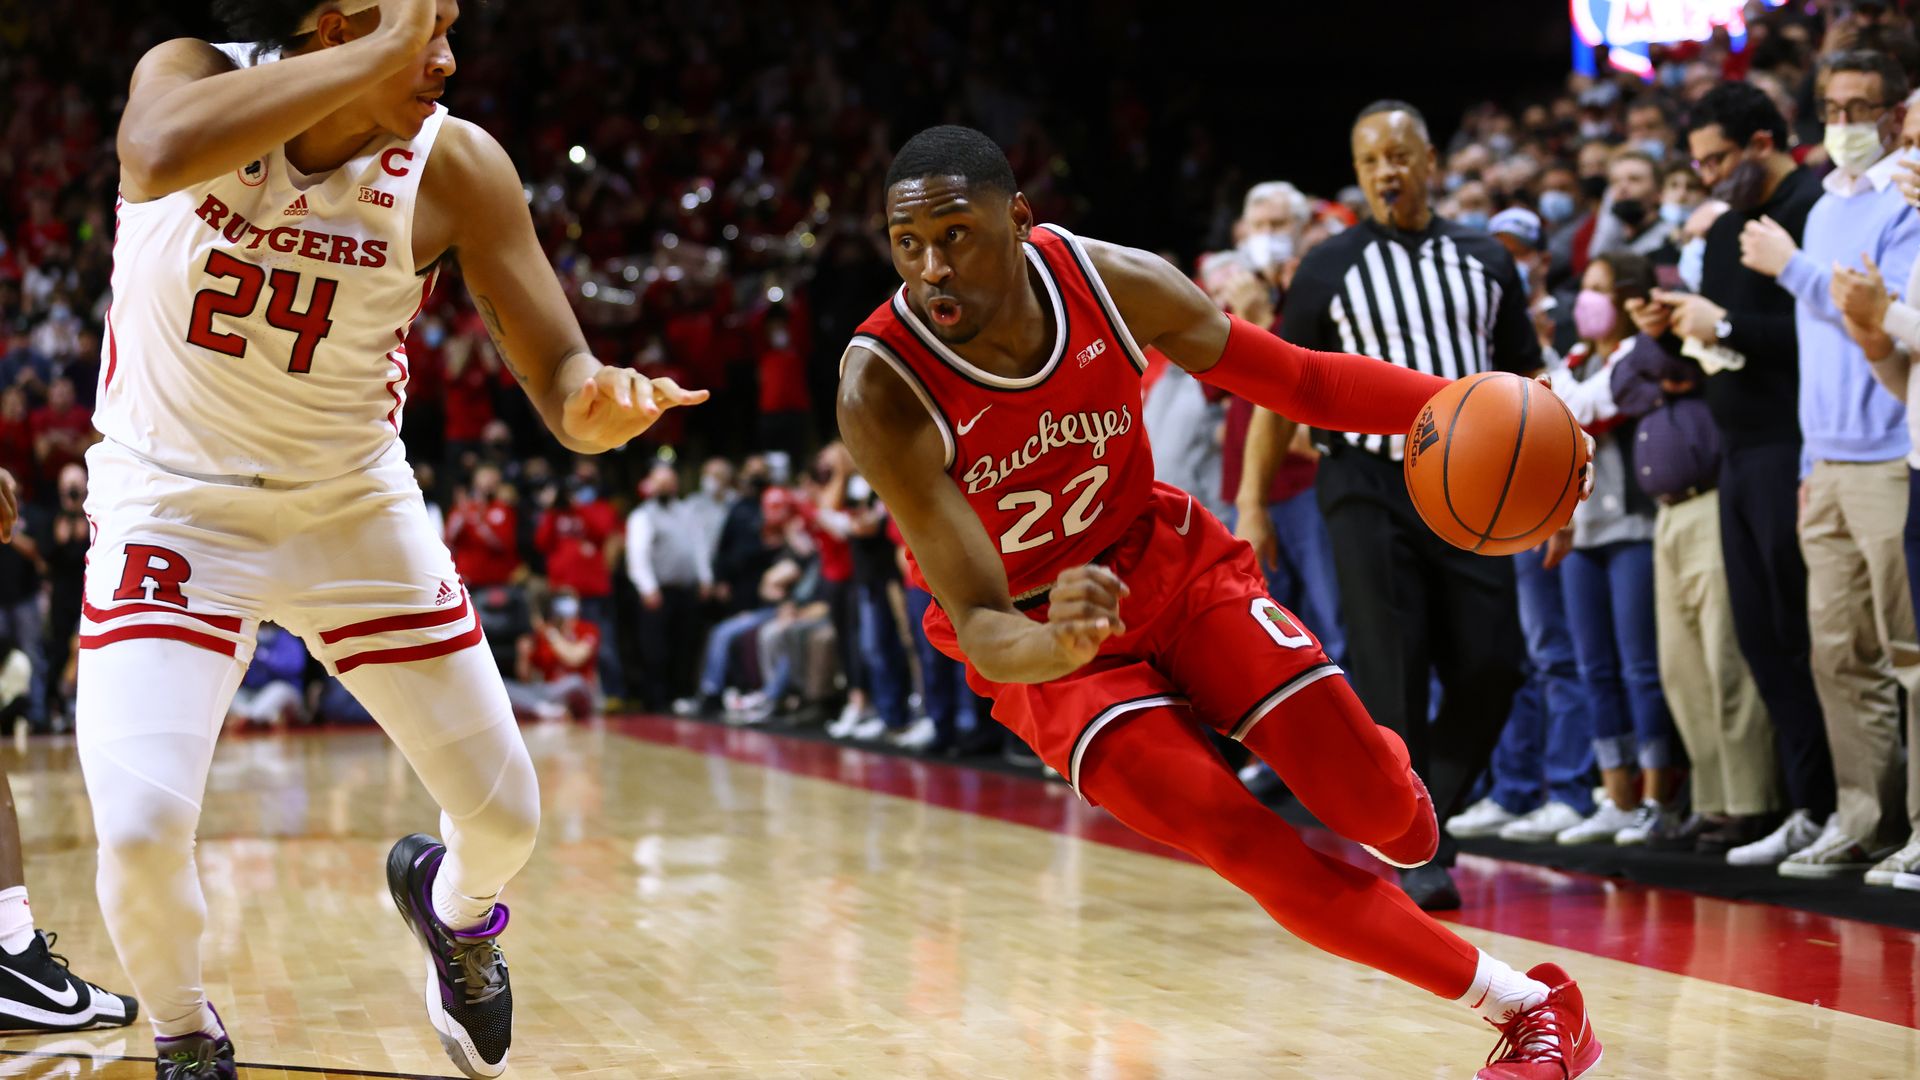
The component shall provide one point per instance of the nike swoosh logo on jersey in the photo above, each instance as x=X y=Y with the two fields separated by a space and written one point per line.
x=1186 y=522
x=968 y=426
x=66 y=999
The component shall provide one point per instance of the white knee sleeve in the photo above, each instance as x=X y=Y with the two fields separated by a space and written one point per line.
x=450 y=716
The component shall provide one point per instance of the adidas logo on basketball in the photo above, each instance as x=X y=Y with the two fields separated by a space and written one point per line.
x=444 y=596
x=299 y=207
x=1425 y=434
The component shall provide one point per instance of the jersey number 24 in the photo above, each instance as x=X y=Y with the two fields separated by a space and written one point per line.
x=308 y=326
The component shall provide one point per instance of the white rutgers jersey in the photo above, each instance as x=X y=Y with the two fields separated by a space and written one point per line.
x=259 y=319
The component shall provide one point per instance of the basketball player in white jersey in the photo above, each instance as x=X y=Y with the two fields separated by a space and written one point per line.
x=284 y=208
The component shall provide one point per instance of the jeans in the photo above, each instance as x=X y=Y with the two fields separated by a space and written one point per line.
x=883 y=658
x=598 y=610
x=943 y=680
x=1547 y=748
x=1609 y=594
x=1304 y=581
x=713 y=670
x=22 y=622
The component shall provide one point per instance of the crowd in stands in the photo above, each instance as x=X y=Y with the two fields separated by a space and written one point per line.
x=1723 y=642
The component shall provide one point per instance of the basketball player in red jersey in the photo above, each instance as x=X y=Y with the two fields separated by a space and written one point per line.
x=993 y=404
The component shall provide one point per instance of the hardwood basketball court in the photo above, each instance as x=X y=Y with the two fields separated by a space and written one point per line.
x=708 y=902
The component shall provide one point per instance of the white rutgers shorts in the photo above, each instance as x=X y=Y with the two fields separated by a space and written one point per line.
x=352 y=565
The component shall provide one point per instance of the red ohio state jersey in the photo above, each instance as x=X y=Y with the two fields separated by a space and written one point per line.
x=1056 y=465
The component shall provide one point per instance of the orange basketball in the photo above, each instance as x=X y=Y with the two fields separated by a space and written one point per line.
x=1494 y=463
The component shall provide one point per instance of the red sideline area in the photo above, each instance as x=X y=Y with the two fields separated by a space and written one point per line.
x=1855 y=967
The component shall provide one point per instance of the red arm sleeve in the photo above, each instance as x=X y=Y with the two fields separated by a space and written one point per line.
x=1336 y=391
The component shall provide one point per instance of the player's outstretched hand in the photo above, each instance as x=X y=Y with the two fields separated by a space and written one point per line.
x=1083 y=611
x=9 y=506
x=617 y=404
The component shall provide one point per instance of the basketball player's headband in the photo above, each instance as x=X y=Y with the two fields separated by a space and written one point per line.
x=344 y=7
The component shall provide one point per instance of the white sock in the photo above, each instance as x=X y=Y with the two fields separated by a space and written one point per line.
x=200 y=1021
x=457 y=911
x=1499 y=993
x=16 y=920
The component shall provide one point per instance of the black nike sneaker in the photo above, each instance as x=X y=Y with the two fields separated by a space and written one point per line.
x=469 y=1001
x=199 y=1056
x=38 y=993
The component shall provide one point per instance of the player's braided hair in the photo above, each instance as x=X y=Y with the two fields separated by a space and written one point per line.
x=952 y=150
x=270 y=22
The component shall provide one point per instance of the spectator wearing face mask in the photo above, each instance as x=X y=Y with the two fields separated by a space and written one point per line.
x=1590 y=162
x=1681 y=193
x=669 y=563
x=1649 y=130
x=1268 y=233
x=1854 y=490
x=1741 y=326
x=1629 y=219
x=579 y=536
x=1888 y=331
x=1563 y=212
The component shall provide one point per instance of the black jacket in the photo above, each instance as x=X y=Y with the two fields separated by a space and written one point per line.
x=1759 y=404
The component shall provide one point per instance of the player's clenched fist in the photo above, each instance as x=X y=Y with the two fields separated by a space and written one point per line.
x=617 y=404
x=1083 y=610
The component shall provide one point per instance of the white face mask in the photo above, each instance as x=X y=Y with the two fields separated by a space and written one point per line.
x=711 y=486
x=1693 y=255
x=1267 y=250
x=1853 y=147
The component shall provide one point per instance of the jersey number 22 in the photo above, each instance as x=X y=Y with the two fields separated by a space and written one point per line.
x=1075 y=521
x=308 y=326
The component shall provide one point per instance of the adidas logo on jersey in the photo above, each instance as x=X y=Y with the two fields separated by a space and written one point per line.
x=299 y=207
x=444 y=596
x=1087 y=354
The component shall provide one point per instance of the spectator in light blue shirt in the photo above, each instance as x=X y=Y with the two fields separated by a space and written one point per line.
x=1853 y=465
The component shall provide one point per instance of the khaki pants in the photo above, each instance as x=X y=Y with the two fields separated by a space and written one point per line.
x=1864 y=645
x=1715 y=704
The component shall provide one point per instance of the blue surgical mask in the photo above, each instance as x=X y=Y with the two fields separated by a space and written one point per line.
x=565 y=607
x=1673 y=213
x=1472 y=219
x=433 y=333
x=1653 y=148
x=1556 y=206
x=1526 y=279
x=1693 y=256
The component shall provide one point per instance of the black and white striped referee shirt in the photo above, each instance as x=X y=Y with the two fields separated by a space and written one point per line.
x=1447 y=302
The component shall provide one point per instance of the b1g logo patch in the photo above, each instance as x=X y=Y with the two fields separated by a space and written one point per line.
x=376 y=196
x=1425 y=434
x=253 y=173
x=1279 y=626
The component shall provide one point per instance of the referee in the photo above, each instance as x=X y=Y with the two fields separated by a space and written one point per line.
x=1414 y=290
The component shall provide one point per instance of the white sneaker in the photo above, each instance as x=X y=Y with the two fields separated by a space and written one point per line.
x=1484 y=818
x=1906 y=862
x=872 y=729
x=1542 y=825
x=1798 y=831
x=1835 y=854
x=1647 y=817
x=1601 y=826
x=918 y=736
x=849 y=718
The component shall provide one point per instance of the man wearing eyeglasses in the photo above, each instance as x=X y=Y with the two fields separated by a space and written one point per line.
x=1741 y=327
x=1853 y=492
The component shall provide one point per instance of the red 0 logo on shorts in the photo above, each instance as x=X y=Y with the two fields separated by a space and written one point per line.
x=1284 y=631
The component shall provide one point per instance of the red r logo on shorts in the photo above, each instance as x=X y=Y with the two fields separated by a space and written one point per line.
x=166 y=569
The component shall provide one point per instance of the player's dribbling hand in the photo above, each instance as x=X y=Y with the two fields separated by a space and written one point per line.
x=617 y=404
x=1586 y=474
x=9 y=506
x=1083 y=611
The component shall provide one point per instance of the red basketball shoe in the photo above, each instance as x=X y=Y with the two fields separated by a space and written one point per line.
x=1416 y=846
x=1554 y=1040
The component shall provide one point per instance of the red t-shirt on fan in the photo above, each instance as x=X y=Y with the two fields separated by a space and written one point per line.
x=547 y=663
x=1057 y=464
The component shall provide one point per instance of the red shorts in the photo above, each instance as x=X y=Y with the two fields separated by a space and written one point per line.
x=1202 y=634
